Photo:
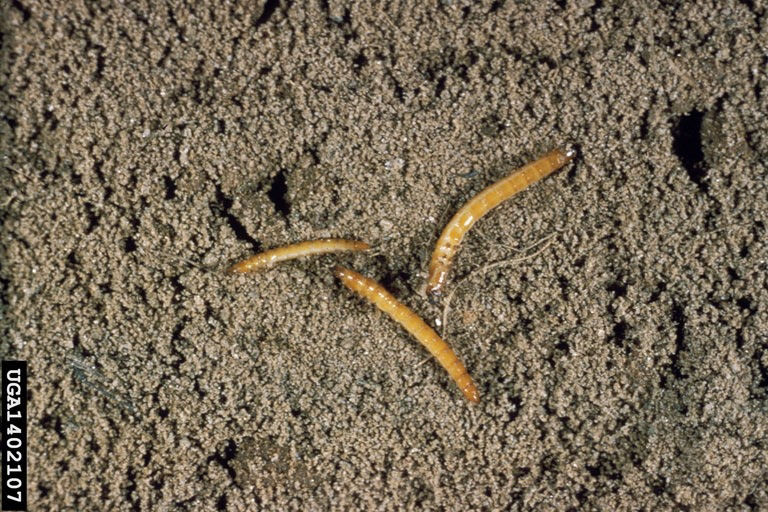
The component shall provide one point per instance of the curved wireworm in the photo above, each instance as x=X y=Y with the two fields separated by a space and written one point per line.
x=287 y=252
x=385 y=301
x=482 y=203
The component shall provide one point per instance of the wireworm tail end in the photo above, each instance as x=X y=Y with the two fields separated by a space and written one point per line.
x=437 y=277
x=556 y=159
x=239 y=268
x=470 y=390
x=569 y=153
x=359 y=246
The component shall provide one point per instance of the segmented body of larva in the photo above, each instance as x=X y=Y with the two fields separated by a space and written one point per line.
x=374 y=292
x=287 y=252
x=481 y=204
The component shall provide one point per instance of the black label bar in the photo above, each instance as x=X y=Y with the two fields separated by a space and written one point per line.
x=14 y=435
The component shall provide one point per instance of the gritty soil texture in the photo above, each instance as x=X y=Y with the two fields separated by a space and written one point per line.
x=621 y=349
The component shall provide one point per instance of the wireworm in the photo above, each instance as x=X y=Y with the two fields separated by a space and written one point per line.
x=378 y=295
x=287 y=252
x=481 y=204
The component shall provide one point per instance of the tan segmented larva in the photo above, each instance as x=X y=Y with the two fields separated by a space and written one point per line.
x=481 y=204
x=288 y=252
x=374 y=292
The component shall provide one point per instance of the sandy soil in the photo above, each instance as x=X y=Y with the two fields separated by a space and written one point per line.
x=621 y=351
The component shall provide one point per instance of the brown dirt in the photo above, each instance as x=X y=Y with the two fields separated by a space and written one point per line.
x=147 y=147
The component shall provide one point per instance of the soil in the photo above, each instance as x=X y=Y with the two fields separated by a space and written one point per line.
x=621 y=348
